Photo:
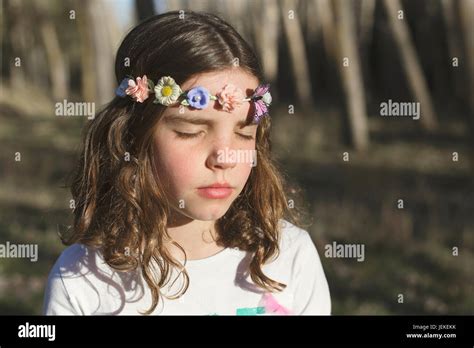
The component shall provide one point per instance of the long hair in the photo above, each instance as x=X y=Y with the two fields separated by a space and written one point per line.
x=120 y=206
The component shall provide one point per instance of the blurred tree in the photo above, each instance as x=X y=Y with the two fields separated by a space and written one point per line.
x=97 y=53
x=296 y=46
x=144 y=9
x=18 y=42
x=413 y=71
x=466 y=8
x=365 y=31
x=56 y=63
x=454 y=44
x=267 y=40
x=367 y=13
x=351 y=75
x=326 y=15
x=310 y=19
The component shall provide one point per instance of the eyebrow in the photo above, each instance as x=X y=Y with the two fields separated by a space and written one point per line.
x=199 y=121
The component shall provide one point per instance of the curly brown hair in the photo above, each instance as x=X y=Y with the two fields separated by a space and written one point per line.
x=120 y=205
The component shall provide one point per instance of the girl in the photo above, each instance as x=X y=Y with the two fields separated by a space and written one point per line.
x=178 y=207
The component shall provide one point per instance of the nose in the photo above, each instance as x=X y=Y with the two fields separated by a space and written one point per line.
x=222 y=159
x=222 y=156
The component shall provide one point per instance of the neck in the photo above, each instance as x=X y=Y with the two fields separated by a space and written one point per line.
x=197 y=238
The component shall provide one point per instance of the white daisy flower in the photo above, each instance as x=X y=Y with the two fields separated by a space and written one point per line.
x=167 y=91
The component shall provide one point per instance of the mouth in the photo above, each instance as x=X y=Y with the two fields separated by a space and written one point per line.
x=216 y=191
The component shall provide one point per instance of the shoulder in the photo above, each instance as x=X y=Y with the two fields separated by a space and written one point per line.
x=305 y=274
x=68 y=278
x=296 y=247
x=72 y=255
x=77 y=259
x=77 y=280
x=297 y=253
x=294 y=238
x=58 y=297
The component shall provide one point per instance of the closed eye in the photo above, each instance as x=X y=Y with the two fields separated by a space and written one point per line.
x=195 y=135
x=244 y=136
x=187 y=135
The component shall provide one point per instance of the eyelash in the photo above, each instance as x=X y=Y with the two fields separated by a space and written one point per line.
x=195 y=135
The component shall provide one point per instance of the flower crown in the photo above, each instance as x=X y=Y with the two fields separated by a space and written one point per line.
x=168 y=92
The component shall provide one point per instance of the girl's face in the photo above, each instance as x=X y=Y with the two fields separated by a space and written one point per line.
x=196 y=149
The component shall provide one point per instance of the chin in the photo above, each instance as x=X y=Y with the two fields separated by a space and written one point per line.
x=208 y=212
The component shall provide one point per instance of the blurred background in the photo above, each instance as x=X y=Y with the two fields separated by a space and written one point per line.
x=331 y=63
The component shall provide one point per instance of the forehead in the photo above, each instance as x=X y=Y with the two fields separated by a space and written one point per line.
x=214 y=81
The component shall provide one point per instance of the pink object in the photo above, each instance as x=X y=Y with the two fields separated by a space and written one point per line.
x=230 y=97
x=138 y=90
x=272 y=306
x=215 y=192
x=261 y=100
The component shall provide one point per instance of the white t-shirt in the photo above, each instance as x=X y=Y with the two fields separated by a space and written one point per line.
x=81 y=283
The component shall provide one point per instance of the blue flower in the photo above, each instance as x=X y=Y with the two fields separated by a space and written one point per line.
x=120 y=91
x=198 y=97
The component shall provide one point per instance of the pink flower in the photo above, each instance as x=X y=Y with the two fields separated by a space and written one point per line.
x=230 y=97
x=138 y=90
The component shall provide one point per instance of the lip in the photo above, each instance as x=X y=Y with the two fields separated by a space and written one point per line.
x=218 y=185
x=216 y=191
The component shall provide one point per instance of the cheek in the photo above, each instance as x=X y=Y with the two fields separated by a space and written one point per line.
x=243 y=173
x=243 y=170
x=175 y=164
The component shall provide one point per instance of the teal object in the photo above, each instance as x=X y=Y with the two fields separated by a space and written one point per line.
x=251 y=311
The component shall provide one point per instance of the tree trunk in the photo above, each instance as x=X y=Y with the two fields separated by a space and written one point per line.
x=88 y=87
x=466 y=9
x=102 y=52
x=367 y=13
x=413 y=71
x=351 y=75
x=267 y=40
x=144 y=9
x=236 y=12
x=327 y=25
x=299 y=63
x=467 y=23
x=113 y=29
x=366 y=27
x=56 y=64
x=454 y=45
x=312 y=22
x=18 y=45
